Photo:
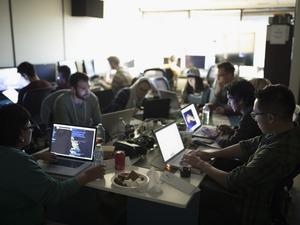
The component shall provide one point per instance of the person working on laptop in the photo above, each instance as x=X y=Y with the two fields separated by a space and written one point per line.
x=240 y=95
x=130 y=97
x=268 y=159
x=27 y=71
x=79 y=106
x=25 y=188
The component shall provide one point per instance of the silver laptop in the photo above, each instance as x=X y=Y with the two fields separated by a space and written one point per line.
x=114 y=122
x=74 y=148
x=194 y=125
x=171 y=151
x=174 y=104
x=11 y=94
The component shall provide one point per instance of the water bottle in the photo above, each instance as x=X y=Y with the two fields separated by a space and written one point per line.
x=100 y=135
x=98 y=155
x=206 y=114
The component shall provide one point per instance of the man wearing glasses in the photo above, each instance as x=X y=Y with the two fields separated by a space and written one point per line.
x=267 y=160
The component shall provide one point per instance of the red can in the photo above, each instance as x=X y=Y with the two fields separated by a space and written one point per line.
x=119 y=160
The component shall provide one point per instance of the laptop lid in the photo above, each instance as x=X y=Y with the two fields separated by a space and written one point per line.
x=174 y=104
x=112 y=122
x=156 y=108
x=169 y=149
x=191 y=117
x=11 y=94
x=73 y=142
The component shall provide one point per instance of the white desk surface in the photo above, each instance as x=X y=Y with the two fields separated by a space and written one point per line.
x=169 y=196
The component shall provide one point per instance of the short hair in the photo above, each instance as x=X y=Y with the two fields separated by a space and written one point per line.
x=65 y=72
x=13 y=119
x=227 y=66
x=76 y=77
x=277 y=99
x=114 y=60
x=242 y=90
x=27 y=68
x=260 y=83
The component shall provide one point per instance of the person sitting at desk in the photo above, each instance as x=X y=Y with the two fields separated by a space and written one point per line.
x=27 y=71
x=130 y=97
x=194 y=90
x=79 y=106
x=63 y=76
x=218 y=94
x=240 y=94
x=268 y=160
x=25 y=188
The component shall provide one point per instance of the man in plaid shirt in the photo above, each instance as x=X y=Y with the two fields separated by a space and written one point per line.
x=267 y=160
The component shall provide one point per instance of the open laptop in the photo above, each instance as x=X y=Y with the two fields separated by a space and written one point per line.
x=194 y=125
x=174 y=104
x=74 y=148
x=171 y=151
x=156 y=108
x=11 y=94
x=113 y=122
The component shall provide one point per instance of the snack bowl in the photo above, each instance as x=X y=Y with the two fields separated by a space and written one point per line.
x=130 y=180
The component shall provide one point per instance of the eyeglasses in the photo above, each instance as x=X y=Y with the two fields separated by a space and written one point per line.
x=254 y=114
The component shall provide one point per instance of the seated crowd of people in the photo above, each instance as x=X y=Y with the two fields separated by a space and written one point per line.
x=264 y=141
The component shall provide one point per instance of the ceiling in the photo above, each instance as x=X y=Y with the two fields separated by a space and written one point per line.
x=151 y=5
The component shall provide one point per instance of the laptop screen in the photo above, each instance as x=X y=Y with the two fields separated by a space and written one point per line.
x=169 y=148
x=73 y=141
x=191 y=118
x=11 y=94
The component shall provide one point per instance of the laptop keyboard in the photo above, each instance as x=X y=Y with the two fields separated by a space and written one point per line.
x=68 y=163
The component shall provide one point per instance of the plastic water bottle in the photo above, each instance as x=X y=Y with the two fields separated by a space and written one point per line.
x=98 y=155
x=100 y=135
x=206 y=114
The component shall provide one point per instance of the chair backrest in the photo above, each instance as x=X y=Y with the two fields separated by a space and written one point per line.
x=154 y=72
x=32 y=101
x=105 y=97
x=47 y=105
x=159 y=83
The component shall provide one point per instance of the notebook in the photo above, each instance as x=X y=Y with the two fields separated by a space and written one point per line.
x=74 y=148
x=194 y=125
x=156 y=108
x=11 y=94
x=171 y=151
x=113 y=122
x=174 y=104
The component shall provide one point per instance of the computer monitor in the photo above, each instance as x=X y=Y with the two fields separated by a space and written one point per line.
x=70 y=64
x=11 y=79
x=197 y=61
x=89 y=67
x=46 y=71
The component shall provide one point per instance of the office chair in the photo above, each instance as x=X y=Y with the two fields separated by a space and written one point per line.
x=159 y=83
x=32 y=101
x=105 y=97
x=154 y=72
x=46 y=113
x=211 y=75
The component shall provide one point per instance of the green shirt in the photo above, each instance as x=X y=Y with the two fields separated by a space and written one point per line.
x=86 y=114
x=25 y=188
x=268 y=159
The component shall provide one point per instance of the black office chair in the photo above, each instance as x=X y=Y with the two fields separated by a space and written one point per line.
x=105 y=97
x=157 y=78
x=46 y=113
x=32 y=101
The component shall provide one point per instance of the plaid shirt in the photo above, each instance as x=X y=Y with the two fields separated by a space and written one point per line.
x=268 y=159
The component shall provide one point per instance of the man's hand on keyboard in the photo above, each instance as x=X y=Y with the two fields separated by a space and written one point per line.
x=91 y=174
x=46 y=156
x=206 y=156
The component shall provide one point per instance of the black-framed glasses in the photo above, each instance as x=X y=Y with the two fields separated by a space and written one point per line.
x=254 y=114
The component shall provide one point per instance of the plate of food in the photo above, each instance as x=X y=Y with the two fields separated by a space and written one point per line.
x=130 y=180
